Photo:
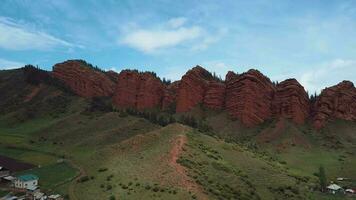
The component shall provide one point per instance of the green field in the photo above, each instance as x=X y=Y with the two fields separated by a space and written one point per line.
x=53 y=175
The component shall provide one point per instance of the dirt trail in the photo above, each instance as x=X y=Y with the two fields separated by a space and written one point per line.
x=82 y=173
x=175 y=153
x=185 y=181
x=33 y=93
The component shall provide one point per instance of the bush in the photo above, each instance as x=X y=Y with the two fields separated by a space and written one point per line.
x=124 y=187
x=108 y=187
x=83 y=179
x=112 y=197
x=102 y=169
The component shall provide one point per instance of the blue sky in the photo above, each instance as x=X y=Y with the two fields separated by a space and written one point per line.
x=311 y=40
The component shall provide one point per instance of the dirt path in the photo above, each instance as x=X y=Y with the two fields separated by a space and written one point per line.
x=175 y=153
x=71 y=193
x=33 y=93
x=185 y=181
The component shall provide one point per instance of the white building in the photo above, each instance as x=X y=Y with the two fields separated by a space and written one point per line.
x=333 y=188
x=28 y=181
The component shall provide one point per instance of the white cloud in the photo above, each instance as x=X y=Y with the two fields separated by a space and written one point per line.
x=16 y=36
x=328 y=74
x=149 y=41
x=210 y=39
x=177 y=22
x=170 y=34
x=7 y=64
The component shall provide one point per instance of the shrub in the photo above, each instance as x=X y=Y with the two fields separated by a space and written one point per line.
x=102 y=169
x=124 y=187
x=112 y=197
x=108 y=187
x=83 y=179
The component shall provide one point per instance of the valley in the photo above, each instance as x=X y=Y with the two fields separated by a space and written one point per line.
x=82 y=147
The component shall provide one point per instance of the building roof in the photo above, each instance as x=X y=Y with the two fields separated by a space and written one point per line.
x=54 y=196
x=28 y=177
x=9 y=178
x=334 y=187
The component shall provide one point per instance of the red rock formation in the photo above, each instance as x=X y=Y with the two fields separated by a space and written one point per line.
x=127 y=85
x=230 y=75
x=191 y=89
x=83 y=80
x=114 y=76
x=150 y=92
x=249 y=97
x=291 y=101
x=214 y=97
x=338 y=101
x=170 y=95
x=138 y=90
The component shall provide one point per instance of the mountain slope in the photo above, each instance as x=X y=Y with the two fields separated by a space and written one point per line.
x=127 y=151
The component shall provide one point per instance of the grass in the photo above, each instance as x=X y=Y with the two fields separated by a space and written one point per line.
x=228 y=171
x=3 y=193
x=28 y=155
x=52 y=175
x=139 y=168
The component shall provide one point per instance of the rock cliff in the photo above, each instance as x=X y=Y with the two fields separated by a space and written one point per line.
x=83 y=79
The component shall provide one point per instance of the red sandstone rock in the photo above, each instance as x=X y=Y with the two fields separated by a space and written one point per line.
x=230 y=75
x=138 y=90
x=338 y=101
x=170 y=95
x=114 y=76
x=150 y=92
x=83 y=80
x=291 y=101
x=249 y=97
x=127 y=85
x=214 y=97
x=192 y=88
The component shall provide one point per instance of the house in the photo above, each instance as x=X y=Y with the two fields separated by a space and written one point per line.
x=28 y=181
x=4 y=172
x=333 y=188
x=39 y=196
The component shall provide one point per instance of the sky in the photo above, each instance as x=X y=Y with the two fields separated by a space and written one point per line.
x=313 y=41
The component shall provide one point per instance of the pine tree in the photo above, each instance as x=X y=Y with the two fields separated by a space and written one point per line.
x=322 y=178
